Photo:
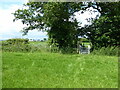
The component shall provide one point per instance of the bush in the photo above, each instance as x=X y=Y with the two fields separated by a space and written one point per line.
x=16 y=45
x=23 y=45
x=110 y=51
x=68 y=50
x=17 y=41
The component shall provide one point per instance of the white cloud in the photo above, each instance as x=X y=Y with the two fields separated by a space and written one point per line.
x=89 y=13
x=6 y=19
x=10 y=29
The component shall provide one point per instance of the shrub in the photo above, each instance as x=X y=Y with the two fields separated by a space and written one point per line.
x=16 y=45
x=110 y=51
x=17 y=41
x=68 y=50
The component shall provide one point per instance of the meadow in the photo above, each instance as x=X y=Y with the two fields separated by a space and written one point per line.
x=40 y=68
x=55 y=70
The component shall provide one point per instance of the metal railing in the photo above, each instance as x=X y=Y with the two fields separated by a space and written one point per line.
x=84 y=49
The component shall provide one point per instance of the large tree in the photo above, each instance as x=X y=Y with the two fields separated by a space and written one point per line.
x=104 y=32
x=52 y=17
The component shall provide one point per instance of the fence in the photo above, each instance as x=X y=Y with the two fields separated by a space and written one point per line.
x=84 y=49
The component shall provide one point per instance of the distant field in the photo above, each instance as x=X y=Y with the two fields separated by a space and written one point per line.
x=53 y=70
x=37 y=43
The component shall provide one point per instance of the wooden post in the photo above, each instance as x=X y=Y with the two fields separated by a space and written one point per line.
x=78 y=49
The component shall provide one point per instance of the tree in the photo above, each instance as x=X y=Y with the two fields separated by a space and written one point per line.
x=104 y=32
x=52 y=17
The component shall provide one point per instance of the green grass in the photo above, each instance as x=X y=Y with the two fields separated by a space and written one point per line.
x=53 y=70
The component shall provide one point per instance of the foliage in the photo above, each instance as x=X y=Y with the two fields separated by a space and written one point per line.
x=16 y=45
x=17 y=41
x=44 y=47
x=53 y=70
x=84 y=39
x=52 y=17
x=105 y=31
x=107 y=51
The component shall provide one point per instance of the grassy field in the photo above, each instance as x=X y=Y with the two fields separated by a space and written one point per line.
x=53 y=70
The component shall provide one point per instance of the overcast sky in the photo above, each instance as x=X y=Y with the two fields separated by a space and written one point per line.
x=10 y=29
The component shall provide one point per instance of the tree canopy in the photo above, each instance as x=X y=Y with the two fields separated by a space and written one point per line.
x=105 y=31
x=54 y=18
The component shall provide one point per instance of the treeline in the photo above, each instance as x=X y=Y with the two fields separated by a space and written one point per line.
x=23 y=45
x=54 y=18
x=104 y=32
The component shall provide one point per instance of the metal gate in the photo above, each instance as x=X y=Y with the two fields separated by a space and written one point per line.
x=84 y=49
